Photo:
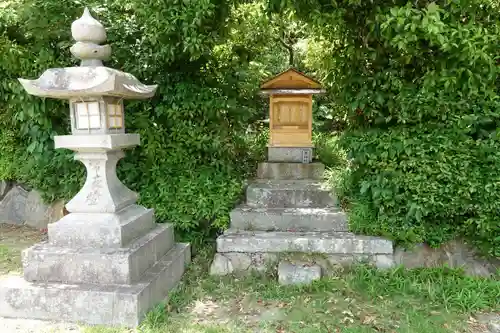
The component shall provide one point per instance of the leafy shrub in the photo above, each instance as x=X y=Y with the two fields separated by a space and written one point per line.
x=193 y=155
x=418 y=81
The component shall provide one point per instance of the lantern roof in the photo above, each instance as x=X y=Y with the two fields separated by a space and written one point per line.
x=91 y=78
x=291 y=79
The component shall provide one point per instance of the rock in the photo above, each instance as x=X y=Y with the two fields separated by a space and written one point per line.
x=453 y=254
x=4 y=188
x=297 y=273
x=288 y=219
x=494 y=327
x=38 y=214
x=221 y=265
x=492 y=321
x=36 y=211
x=239 y=261
x=383 y=261
x=12 y=206
x=346 y=260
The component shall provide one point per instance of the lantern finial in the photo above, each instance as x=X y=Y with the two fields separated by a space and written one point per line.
x=88 y=34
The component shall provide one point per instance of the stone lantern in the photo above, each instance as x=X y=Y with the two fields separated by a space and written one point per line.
x=106 y=262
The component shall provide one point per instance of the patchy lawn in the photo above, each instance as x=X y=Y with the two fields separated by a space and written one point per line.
x=357 y=301
x=361 y=300
x=13 y=239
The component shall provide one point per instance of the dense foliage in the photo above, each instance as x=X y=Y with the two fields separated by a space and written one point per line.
x=416 y=83
x=412 y=85
x=207 y=62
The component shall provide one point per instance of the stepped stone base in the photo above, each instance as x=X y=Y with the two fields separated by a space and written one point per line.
x=243 y=251
x=49 y=263
x=102 y=230
x=293 y=224
x=243 y=263
x=288 y=171
x=290 y=154
x=288 y=219
x=289 y=194
x=114 y=305
x=308 y=242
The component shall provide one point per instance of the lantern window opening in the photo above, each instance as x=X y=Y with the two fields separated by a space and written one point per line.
x=87 y=114
x=115 y=114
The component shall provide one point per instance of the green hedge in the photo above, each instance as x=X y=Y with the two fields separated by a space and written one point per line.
x=417 y=84
x=194 y=152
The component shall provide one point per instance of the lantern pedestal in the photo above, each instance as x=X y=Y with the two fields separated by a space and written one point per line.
x=105 y=263
x=102 y=192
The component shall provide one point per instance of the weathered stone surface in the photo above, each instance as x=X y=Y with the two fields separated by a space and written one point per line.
x=453 y=254
x=239 y=261
x=297 y=273
x=288 y=154
x=105 y=82
x=491 y=320
x=290 y=171
x=46 y=263
x=288 y=219
x=113 y=305
x=4 y=188
x=383 y=261
x=346 y=260
x=102 y=192
x=12 y=206
x=221 y=265
x=37 y=212
x=309 y=242
x=79 y=230
x=98 y=142
x=289 y=194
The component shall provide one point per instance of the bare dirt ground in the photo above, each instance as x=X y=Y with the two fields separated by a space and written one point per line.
x=13 y=239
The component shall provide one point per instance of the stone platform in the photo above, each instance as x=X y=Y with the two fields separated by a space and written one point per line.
x=292 y=223
x=113 y=305
x=110 y=280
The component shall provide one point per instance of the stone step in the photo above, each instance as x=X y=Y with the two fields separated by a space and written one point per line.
x=48 y=263
x=290 y=171
x=288 y=219
x=289 y=194
x=111 y=305
x=306 y=242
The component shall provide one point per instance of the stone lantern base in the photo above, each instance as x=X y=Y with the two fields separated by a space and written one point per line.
x=105 y=263
x=98 y=286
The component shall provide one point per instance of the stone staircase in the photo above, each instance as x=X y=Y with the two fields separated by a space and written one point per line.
x=291 y=221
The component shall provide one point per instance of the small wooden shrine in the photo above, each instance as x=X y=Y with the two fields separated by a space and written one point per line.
x=290 y=108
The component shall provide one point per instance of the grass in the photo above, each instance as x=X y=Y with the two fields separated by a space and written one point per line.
x=358 y=301
x=13 y=239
